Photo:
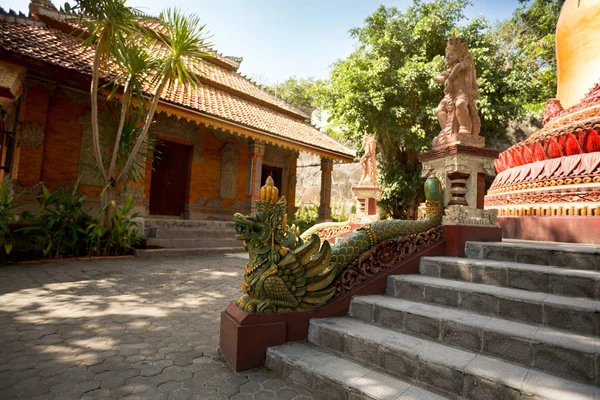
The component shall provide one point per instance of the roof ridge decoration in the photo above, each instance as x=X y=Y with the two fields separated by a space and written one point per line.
x=11 y=16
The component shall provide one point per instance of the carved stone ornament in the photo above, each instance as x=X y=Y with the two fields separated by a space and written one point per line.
x=318 y=271
x=229 y=165
x=30 y=83
x=76 y=97
x=463 y=215
x=32 y=134
x=170 y=125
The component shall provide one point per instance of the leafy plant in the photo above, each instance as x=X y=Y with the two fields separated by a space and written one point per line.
x=59 y=228
x=120 y=237
x=8 y=215
x=305 y=217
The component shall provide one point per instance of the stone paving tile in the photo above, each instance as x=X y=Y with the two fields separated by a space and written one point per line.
x=124 y=329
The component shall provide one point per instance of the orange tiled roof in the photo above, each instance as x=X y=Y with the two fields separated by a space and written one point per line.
x=231 y=96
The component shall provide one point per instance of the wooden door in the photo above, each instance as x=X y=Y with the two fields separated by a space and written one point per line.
x=168 y=186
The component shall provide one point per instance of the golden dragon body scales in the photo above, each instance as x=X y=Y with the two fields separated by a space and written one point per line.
x=285 y=274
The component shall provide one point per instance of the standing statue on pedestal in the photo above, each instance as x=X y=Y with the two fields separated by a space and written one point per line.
x=457 y=112
x=368 y=161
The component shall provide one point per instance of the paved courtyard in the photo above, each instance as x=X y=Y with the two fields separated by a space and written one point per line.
x=124 y=329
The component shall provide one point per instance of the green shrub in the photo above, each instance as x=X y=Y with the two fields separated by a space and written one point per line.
x=120 y=237
x=63 y=227
x=306 y=216
x=8 y=215
x=59 y=228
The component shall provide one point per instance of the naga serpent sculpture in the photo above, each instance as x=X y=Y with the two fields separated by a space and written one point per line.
x=286 y=274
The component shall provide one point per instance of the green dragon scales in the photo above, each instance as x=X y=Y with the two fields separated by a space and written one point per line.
x=285 y=274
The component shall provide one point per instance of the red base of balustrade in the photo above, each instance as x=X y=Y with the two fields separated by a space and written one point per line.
x=458 y=235
x=245 y=337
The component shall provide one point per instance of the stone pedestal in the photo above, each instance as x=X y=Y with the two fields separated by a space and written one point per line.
x=464 y=139
x=462 y=170
x=367 y=197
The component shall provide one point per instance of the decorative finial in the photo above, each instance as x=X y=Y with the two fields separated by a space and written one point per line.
x=269 y=193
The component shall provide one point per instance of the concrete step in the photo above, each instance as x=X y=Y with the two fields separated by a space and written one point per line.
x=198 y=251
x=184 y=233
x=459 y=372
x=563 y=353
x=183 y=243
x=566 y=255
x=335 y=377
x=568 y=313
x=539 y=278
x=186 y=223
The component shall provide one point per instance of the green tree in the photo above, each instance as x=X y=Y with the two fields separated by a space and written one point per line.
x=141 y=63
x=297 y=92
x=527 y=42
x=385 y=87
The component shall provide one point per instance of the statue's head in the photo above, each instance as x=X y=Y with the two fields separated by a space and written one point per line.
x=456 y=50
x=268 y=225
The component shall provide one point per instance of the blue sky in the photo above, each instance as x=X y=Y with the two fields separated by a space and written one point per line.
x=283 y=38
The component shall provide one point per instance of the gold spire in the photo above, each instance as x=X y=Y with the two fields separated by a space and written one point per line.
x=269 y=193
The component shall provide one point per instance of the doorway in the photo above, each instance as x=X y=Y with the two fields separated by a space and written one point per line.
x=168 y=187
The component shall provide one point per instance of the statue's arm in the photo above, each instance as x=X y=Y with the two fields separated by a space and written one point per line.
x=458 y=68
x=440 y=78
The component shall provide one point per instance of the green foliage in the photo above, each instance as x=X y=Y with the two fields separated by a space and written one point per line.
x=338 y=212
x=385 y=87
x=527 y=42
x=59 y=229
x=297 y=92
x=119 y=237
x=306 y=216
x=63 y=227
x=8 y=215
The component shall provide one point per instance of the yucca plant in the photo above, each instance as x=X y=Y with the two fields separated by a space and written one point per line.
x=121 y=38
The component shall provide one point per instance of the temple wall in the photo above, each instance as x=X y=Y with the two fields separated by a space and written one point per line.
x=54 y=147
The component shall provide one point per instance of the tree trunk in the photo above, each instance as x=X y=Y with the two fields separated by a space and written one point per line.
x=108 y=203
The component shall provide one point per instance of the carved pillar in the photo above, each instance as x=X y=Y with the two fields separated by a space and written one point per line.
x=462 y=170
x=291 y=184
x=458 y=188
x=325 y=206
x=256 y=151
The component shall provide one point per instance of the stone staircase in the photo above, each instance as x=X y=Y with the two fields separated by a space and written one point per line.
x=514 y=320
x=175 y=237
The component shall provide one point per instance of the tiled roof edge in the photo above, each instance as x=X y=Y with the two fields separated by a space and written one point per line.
x=44 y=11
x=20 y=18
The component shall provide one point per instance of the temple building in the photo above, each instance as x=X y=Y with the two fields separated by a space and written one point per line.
x=217 y=143
x=548 y=186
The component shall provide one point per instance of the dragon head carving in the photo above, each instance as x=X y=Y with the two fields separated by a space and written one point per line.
x=268 y=226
